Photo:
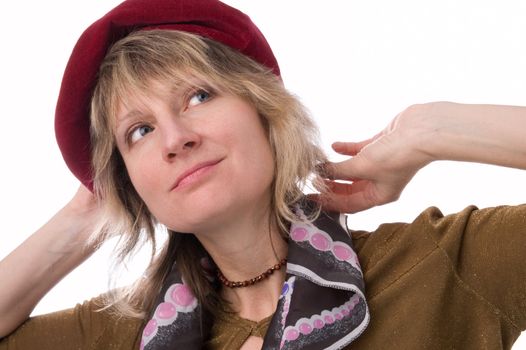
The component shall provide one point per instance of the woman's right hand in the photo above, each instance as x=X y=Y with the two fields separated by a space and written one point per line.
x=82 y=212
x=48 y=255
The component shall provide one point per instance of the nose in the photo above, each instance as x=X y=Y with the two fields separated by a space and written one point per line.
x=178 y=139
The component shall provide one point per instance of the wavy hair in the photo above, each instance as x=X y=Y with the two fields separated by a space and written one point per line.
x=168 y=56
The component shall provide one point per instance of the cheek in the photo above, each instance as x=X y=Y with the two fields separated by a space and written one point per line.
x=257 y=166
x=141 y=175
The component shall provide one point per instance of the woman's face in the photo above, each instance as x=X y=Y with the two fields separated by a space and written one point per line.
x=196 y=157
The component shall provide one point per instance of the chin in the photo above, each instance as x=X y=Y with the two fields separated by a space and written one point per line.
x=210 y=213
x=197 y=216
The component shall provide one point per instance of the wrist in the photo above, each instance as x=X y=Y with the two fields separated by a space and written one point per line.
x=68 y=234
x=419 y=128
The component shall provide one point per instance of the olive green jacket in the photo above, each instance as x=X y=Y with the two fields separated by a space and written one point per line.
x=453 y=282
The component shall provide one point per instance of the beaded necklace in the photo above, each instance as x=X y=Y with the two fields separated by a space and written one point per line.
x=252 y=281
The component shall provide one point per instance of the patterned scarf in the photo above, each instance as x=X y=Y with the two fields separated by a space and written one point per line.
x=322 y=303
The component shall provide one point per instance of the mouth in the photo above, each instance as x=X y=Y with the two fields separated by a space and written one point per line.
x=194 y=173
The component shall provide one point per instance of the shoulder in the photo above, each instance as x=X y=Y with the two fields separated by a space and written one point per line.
x=443 y=229
x=478 y=252
x=86 y=326
x=111 y=329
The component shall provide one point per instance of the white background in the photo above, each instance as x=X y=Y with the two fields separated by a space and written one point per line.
x=355 y=64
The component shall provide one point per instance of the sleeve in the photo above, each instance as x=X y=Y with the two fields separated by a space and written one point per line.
x=487 y=249
x=82 y=327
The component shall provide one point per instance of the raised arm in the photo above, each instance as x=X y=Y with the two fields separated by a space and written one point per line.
x=380 y=167
x=48 y=255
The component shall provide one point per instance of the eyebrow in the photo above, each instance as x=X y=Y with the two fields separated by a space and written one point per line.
x=178 y=90
x=130 y=115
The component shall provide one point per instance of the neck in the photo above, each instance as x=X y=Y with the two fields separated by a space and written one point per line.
x=244 y=250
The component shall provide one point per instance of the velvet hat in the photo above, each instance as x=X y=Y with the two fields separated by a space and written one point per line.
x=208 y=18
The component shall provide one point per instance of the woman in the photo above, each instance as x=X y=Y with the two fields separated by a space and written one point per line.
x=170 y=134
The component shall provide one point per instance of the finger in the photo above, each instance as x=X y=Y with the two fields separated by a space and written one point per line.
x=339 y=187
x=348 y=148
x=346 y=197
x=332 y=171
x=347 y=170
x=345 y=188
x=325 y=185
x=353 y=203
x=353 y=148
x=320 y=184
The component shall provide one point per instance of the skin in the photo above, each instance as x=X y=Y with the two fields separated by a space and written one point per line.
x=380 y=167
x=42 y=260
x=162 y=137
x=376 y=173
x=226 y=205
x=182 y=130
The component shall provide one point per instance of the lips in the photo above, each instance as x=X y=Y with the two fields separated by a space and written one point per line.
x=196 y=170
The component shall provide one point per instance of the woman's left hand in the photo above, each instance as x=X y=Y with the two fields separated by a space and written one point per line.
x=378 y=170
x=380 y=167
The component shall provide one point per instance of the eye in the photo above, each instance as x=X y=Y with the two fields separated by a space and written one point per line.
x=138 y=132
x=198 y=97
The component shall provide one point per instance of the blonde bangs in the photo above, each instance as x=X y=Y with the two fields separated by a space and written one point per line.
x=172 y=58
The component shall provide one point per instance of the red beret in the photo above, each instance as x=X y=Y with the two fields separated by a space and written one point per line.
x=208 y=18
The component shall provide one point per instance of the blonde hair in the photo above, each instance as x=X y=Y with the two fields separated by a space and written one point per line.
x=177 y=57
